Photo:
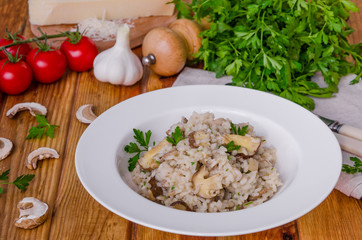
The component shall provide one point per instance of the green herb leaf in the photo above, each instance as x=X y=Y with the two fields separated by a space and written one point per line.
x=5 y=175
x=177 y=136
x=132 y=162
x=132 y=148
x=43 y=128
x=231 y=147
x=357 y=167
x=239 y=131
x=22 y=181
x=248 y=203
x=143 y=139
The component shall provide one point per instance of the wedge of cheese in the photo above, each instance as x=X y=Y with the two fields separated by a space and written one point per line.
x=49 y=12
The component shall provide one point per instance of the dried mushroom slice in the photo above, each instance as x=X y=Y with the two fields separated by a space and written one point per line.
x=40 y=154
x=5 y=147
x=33 y=107
x=156 y=190
x=206 y=187
x=251 y=144
x=85 y=114
x=181 y=205
x=33 y=212
x=147 y=161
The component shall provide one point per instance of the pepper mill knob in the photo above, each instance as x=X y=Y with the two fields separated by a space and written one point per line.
x=149 y=60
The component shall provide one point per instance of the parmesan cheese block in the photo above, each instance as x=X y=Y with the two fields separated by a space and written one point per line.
x=49 y=12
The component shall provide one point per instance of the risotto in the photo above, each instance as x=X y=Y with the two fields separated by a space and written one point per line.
x=208 y=165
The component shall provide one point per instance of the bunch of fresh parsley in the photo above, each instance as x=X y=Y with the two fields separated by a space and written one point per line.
x=277 y=45
x=20 y=182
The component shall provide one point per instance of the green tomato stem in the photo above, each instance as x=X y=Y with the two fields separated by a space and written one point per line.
x=43 y=37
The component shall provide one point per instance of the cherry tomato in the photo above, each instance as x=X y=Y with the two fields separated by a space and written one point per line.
x=48 y=66
x=80 y=55
x=15 y=77
x=24 y=48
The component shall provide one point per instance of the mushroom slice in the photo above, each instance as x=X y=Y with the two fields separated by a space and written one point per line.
x=34 y=108
x=40 y=154
x=156 y=190
x=33 y=212
x=181 y=205
x=207 y=187
x=85 y=114
x=147 y=162
x=196 y=137
x=5 y=147
x=253 y=165
x=251 y=144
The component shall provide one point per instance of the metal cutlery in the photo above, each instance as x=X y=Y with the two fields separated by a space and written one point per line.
x=342 y=128
x=349 y=138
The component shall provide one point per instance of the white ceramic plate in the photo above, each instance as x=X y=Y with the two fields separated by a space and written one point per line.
x=308 y=157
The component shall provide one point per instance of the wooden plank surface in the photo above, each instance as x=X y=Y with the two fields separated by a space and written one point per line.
x=74 y=214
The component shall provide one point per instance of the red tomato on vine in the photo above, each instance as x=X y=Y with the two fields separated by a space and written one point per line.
x=15 y=75
x=80 y=52
x=20 y=49
x=48 y=64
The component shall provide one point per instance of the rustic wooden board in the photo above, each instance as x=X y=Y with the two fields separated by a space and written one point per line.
x=139 y=28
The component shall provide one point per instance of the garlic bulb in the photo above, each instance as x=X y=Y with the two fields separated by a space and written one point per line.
x=118 y=65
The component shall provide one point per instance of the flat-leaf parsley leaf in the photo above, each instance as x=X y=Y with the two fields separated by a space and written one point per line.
x=20 y=182
x=239 y=131
x=176 y=136
x=43 y=128
x=143 y=139
x=231 y=147
x=357 y=167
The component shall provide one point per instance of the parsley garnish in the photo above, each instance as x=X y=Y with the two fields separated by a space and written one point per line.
x=20 y=182
x=143 y=140
x=177 y=136
x=357 y=167
x=239 y=131
x=43 y=128
x=278 y=45
x=231 y=147
x=246 y=204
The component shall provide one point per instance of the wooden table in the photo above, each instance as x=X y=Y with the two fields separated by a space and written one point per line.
x=74 y=214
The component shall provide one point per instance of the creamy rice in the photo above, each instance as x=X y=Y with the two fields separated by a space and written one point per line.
x=199 y=174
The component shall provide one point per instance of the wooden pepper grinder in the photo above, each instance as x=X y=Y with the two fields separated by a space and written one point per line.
x=166 y=50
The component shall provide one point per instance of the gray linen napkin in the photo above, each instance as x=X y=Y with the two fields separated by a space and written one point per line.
x=346 y=107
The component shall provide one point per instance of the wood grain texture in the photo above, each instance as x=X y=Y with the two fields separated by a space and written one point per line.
x=74 y=214
x=94 y=222
x=337 y=218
